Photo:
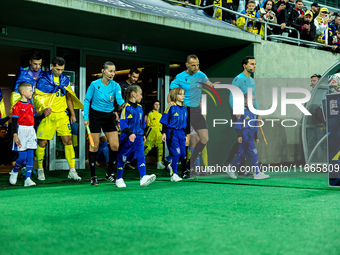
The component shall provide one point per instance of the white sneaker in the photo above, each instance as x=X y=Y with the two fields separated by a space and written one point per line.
x=175 y=178
x=120 y=183
x=261 y=175
x=160 y=165
x=231 y=172
x=147 y=179
x=73 y=175
x=41 y=175
x=29 y=182
x=13 y=177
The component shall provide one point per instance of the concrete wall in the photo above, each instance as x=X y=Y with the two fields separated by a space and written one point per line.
x=281 y=65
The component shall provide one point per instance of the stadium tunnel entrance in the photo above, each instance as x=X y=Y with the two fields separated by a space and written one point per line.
x=93 y=38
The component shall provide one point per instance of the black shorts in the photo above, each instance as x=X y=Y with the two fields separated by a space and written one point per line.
x=196 y=119
x=102 y=120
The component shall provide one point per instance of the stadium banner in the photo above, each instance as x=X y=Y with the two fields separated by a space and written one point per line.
x=333 y=127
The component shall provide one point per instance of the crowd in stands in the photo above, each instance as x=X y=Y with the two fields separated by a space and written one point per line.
x=314 y=23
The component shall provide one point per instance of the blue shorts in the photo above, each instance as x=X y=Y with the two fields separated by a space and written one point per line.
x=175 y=140
x=127 y=150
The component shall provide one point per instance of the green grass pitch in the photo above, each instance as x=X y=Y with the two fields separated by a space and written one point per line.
x=286 y=214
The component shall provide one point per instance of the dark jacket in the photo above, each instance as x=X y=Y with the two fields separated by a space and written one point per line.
x=292 y=16
x=281 y=18
x=304 y=34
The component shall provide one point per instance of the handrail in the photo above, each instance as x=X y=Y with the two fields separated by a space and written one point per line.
x=299 y=41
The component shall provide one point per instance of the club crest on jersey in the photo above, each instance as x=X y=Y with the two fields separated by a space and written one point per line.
x=124 y=158
x=130 y=116
x=40 y=133
x=140 y=115
x=176 y=114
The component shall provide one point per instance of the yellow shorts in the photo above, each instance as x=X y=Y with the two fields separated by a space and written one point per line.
x=54 y=122
x=154 y=137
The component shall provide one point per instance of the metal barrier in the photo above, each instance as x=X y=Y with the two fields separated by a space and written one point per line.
x=298 y=41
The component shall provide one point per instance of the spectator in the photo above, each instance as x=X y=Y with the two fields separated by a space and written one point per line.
x=281 y=13
x=231 y=5
x=305 y=26
x=295 y=13
x=321 y=24
x=267 y=14
x=336 y=43
x=220 y=14
x=314 y=80
x=251 y=12
x=289 y=7
x=315 y=10
x=333 y=29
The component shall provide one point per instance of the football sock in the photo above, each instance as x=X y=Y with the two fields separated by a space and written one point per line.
x=197 y=150
x=29 y=163
x=92 y=161
x=40 y=153
x=174 y=164
x=70 y=156
x=112 y=161
x=141 y=166
x=160 y=152
x=22 y=157
x=120 y=169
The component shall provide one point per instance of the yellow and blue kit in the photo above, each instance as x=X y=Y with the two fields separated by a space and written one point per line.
x=131 y=122
x=252 y=26
x=51 y=92
x=154 y=134
x=174 y=120
x=248 y=131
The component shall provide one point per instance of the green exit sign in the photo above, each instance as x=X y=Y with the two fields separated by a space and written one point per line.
x=129 y=48
x=3 y=30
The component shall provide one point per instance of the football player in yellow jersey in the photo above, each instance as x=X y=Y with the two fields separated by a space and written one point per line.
x=154 y=134
x=53 y=95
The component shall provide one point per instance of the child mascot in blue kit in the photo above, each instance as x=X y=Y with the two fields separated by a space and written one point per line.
x=131 y=141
